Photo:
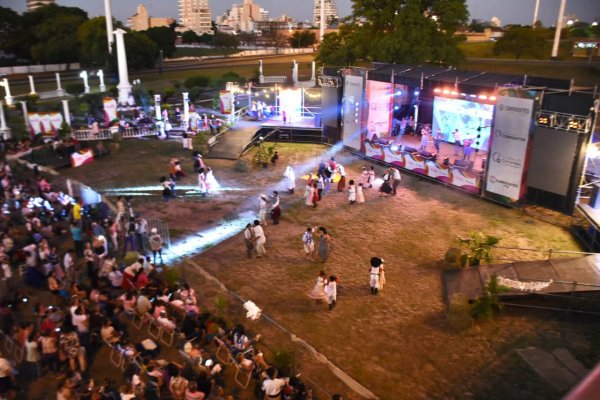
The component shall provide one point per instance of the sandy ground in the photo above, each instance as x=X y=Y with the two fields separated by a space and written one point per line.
x=398 y=344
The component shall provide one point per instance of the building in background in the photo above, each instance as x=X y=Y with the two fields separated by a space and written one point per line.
x=33 y=4
x=195 y=15
x=331 y=14
x=243 y=17
x=142 y=21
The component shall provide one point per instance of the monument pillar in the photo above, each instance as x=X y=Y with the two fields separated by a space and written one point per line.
x=124 y=86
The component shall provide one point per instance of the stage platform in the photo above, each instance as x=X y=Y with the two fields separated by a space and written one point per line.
x=556 y=277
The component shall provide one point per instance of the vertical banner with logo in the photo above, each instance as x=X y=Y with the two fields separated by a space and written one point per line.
x=226 y=100
x=351 y=110
x=110 y=109
x=379 y=119
x=507 y=164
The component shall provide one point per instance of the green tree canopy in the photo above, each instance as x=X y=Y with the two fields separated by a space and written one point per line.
x=301 y=39
x=400 y=31
x=10 y=28
x=189 y=37
x=225 y=41
x=92 y=36
x=522 y=40
x=164 y=38
x=141 y=52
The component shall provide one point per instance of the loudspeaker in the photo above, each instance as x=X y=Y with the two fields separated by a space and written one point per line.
x=425 y=153
x=595 y=197
x=408 y=149
x=463 y=164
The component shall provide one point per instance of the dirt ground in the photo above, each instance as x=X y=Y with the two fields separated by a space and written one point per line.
x=398 y=344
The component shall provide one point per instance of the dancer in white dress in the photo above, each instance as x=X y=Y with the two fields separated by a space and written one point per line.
x=263 y=207
x=352 y=192
x=211 y=182
x=331 y=292
x=318 y=291
x=360 y=196
x=291 y=176
x=308 y=195
x=202 y=187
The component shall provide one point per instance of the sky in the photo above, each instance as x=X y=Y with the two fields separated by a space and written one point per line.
x=509 y=11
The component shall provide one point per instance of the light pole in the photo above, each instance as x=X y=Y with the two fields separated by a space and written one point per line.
x=535 y=13
x=561 y=12
x=124 y=85
x=109 y=24
x=322 y=22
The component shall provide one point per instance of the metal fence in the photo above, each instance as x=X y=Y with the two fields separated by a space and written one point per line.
x=108 y=134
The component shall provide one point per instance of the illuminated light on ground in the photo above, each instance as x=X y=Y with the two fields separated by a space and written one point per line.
x=202 y=240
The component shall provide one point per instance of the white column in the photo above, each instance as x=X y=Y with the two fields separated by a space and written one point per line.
x=2 y=118
x=66 y=113
x=260 y=68
x=109 y=24
x=124 y=85
x=295 y=72
x=25 y=114
x=100 y=74
x=31 y=85
x=561 y=12
x=322 y=24
x=314 y=70
x=157 y=107
x=59 y=90
x=9 y=99
x=186 y=110
x=84 y=76
x=535 y=12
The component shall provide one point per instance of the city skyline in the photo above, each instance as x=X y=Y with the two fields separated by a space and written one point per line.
x=509 y=11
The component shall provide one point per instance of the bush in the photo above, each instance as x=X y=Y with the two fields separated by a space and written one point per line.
x=197 y=81
x=284 y=361
x=459 y=313
x=75 y=89
x=234 y=77
x=195 y=92
x=240 y=166
x=168 y=93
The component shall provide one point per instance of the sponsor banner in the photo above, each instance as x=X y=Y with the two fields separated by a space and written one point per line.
x=394 y=157
x=508 y=154
x=45 y=123
x=379 y=118
x=352 y=111
x=374 y=150
x=226 y=101
x=56 y=120
x=110 y=109
x=439 y=172
x=82 y=157
x=464 y=179
x=415 y=163
x=35 y=125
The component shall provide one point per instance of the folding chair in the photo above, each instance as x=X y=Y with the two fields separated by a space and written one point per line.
x=239 y=370
x=226 y=360
x=157 y=332
x=166 y=336
x=116 y=358
x=138 y=321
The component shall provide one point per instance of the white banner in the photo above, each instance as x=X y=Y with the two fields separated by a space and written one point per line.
x=508 y=153
x=352 y=110
x=110 y=109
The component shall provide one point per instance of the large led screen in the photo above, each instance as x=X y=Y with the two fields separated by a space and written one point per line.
x=466 y=116
x=379 y=98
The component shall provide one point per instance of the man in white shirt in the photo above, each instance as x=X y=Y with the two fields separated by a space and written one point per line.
x=260 y=239
x=272 y=386
x=397 y=178
x=69 y=265
x=248 y=240
x=457 y=141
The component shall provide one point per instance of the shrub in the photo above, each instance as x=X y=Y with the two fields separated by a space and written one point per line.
x=75 y=88
x=168 y=93
x=197 y=81
x=284 y=361
x=489 y=304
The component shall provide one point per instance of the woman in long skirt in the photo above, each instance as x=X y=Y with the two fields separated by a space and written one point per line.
x=318 y=291
x=308 y=194
x=315 y=195
x=291 y=177
x=211 y=182
x=360 y=196
x=324 y=244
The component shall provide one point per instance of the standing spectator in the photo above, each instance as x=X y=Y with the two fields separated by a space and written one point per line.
x=467 y=149
x=6 y=277
x=32 y=357
x=352 y=192
x=320 y=186
x=49 y=346
x=249 y=240
x=69 y=345
x=375 y=272
x=156 y=245
x=360 y=196
x=342 y=182
x=142 y=232
x=260 y=239
x=76 y=211
x=324 y=243
x=69 y=265
x=6 y=378
x=77 y=237
x=437 y=140
x=130 y=239
x=331 y=292
x=273 y=386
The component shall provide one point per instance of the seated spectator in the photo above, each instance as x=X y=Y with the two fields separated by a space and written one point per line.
x=166 y=322
x=108 y=332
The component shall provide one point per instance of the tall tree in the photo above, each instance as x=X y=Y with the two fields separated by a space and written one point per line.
x=301 y=39
x=403 y=31
x=523 y=40
x=92 y=36
x=189 y=37
x=225 y=42
x=10 y=29
x=164 y=38
x=141 y=52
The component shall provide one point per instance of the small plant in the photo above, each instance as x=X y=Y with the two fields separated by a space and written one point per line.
x=264 y=153
x=64 y=131
x=475 y=248
x=486 y=307
x=285 y=362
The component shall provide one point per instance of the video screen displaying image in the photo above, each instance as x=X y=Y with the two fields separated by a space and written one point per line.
x=379 y=118
x=466 y=116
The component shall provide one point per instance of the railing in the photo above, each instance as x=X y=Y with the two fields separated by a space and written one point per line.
x=273 y=79
x=107 y=134
x=549 y=252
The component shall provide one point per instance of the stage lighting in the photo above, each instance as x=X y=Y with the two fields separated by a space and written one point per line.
x=437 y=90
x=472 y=96
x=463 y=94
x=482 y=97
x=396 y=108
x=445 y=91
x=543 y=120
x=398 y=93
x=573 y=124
x=417 y=93
x=492 y=98
x=453 y=93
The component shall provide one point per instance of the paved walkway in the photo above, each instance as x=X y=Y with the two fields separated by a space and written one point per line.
x=230 y=145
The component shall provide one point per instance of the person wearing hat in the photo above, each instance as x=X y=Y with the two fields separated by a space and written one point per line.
x=376 y=274
x=156 y=244
x=259 y=238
